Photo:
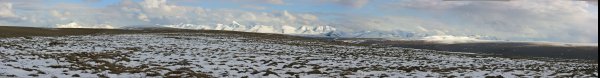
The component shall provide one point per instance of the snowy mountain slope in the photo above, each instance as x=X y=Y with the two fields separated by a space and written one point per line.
x=304 y=30
x=77 y=25
x=319 y=31
x=223 y=55
x=190 y=26
x=285 y=29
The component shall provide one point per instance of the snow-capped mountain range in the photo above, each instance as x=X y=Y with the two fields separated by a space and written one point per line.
x=314 y=31
x=321 y=31
x=285 y=29
x=77 y=25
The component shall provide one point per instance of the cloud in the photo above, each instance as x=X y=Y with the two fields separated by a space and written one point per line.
x=275 y=2
x=426 y=4
x=143 y=17
x=256 y=7
x=60 y=15
x=393 y=24
x=347 y=3
x=279 y=2
x=149 y=12
x=593 y=2
x=92 y=1
x=560 y=20
x=6 y=10
x=353 y=3
x=272 y=2
x=8 y=15
x=157 y=9
x=203 y=15
x=523 y=20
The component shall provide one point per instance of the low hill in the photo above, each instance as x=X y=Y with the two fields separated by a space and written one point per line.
x=511 y=49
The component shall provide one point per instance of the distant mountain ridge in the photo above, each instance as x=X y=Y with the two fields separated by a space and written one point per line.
x=320 y=31
x=285 y=29
x=304 y=30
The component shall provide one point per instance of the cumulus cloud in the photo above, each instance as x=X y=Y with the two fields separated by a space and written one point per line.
x=426 y=4
x=347 y=3
x=161 y=11
x=60 y=15
x=274 y=1
x=353 y=3
x=535 y=20
x=254 y=7
x=8 y=16
x=560 y=20
x=593 y=2
x=152 y=12
x=143 y=17
x=92 y=1
x=6 y=10
x=394 y=23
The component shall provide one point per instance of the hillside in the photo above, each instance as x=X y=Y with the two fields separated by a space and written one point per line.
x=505 y=49
x=167 y=53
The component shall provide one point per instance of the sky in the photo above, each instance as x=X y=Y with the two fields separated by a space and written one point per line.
x=573 y=21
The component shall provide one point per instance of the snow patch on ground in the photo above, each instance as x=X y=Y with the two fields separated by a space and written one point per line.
x=234 y=56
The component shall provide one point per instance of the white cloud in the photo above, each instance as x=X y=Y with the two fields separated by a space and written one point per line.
x=184 y=14
x=148 y=12
x=559 y=20
x=593 y=2
x=279 y=2
x=394 y=23
x=256 y=7
x=143 y=17
x=355 y=3
x=348 y=3
x=6 y=10
x=272 y=2
x=92 y=1
x=427 y=4
x=162 y=8
x=60 y=15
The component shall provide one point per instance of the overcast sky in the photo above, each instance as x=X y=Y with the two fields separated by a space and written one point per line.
x=520 y=20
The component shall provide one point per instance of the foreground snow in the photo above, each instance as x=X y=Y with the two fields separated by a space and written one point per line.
x=234 y=56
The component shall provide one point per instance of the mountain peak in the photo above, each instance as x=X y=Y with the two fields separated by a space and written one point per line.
x=320 y=31
x=235 y=23
x=77 y=25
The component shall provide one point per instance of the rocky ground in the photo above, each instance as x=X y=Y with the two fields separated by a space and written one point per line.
x=230 y=55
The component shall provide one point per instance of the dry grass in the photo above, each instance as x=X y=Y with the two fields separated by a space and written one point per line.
x=79 y=62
